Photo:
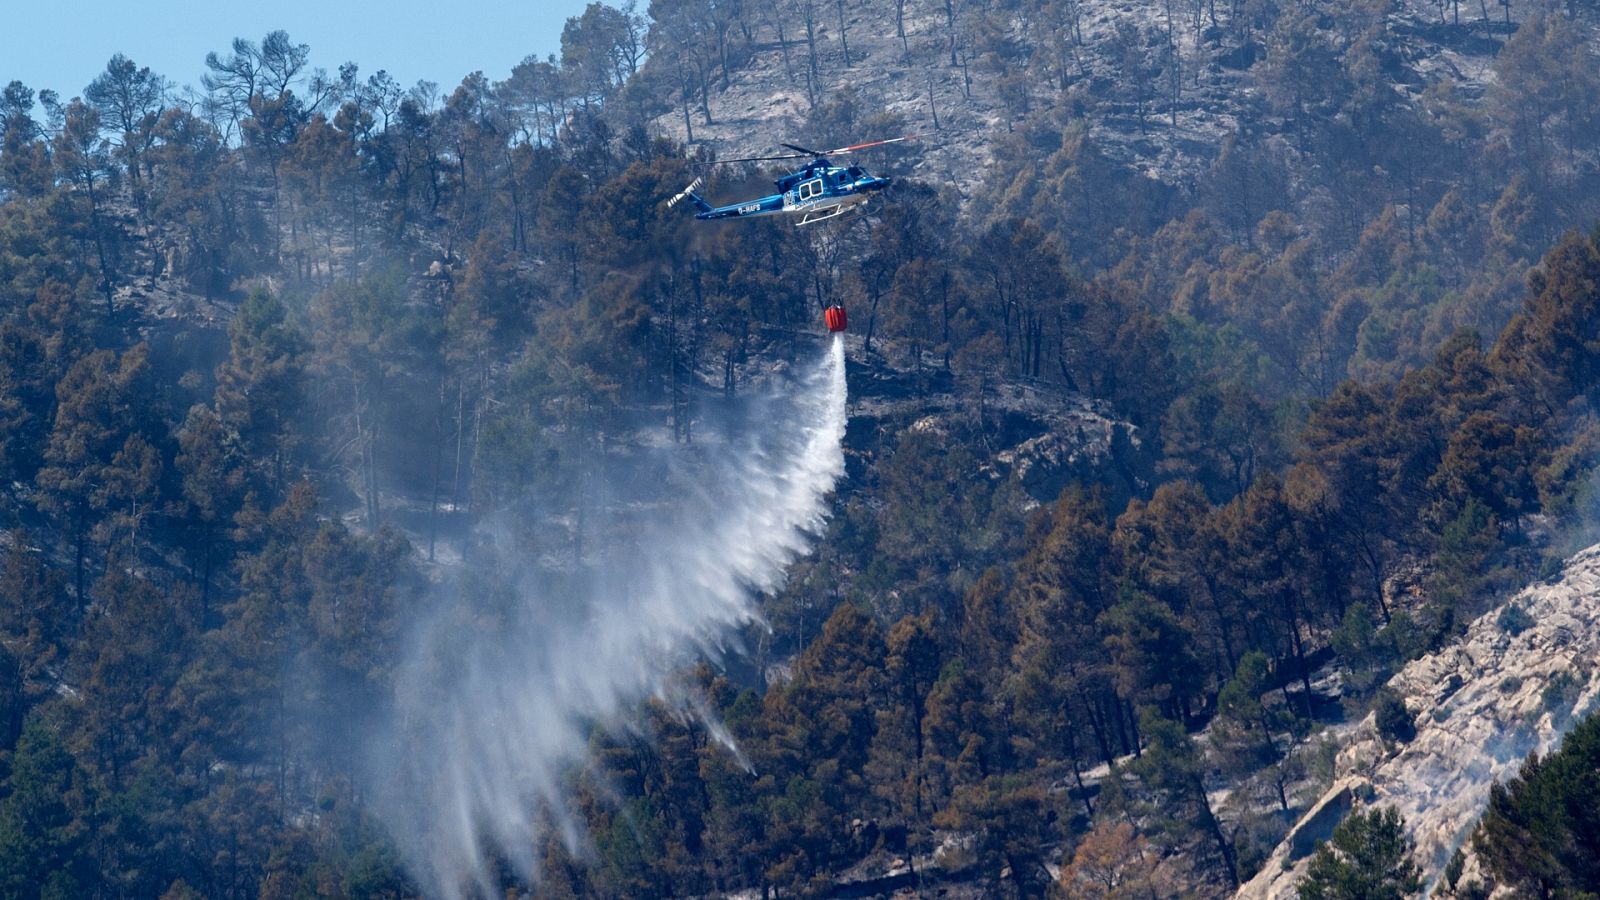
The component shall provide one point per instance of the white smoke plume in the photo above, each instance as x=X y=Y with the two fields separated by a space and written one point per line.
x=492 y=716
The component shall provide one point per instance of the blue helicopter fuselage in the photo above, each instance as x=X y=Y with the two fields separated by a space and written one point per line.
x=818 y=191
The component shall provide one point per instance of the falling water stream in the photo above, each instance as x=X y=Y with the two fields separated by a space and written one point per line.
x=491 y=718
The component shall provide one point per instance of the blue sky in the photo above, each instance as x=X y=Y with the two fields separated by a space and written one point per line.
x=63 y=48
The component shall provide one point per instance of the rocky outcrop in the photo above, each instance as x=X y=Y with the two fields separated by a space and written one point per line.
x=1318 y=823
x=1039 y=435
x=918 y=86
x=1512 y=685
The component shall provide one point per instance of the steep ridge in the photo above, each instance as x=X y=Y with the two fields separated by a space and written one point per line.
x=1482 y=705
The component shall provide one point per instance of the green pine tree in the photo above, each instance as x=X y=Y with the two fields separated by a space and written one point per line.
x=1369 y=858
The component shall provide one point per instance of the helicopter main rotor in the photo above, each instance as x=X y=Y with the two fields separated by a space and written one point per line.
x=806 y=153
x=852 y=148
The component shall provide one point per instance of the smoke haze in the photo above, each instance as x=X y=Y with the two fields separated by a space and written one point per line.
x=498 y=694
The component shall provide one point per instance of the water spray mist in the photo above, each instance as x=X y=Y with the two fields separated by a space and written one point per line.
x=489 y=719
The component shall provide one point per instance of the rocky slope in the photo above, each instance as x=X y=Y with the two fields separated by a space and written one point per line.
x=1108 y=66
x=1512 y=685
x=1038 y=434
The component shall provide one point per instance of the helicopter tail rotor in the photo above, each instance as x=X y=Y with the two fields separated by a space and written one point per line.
x=688 y=192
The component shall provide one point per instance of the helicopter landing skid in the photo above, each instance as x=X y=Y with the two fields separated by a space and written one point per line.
x=812 y=216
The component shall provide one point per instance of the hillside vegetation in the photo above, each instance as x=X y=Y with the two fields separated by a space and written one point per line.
x=275 y=353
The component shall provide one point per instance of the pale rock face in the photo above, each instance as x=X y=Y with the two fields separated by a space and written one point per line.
x=766 y=101
x=1480 y=711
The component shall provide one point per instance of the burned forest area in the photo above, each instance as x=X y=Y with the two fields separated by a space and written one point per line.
x=400 y=498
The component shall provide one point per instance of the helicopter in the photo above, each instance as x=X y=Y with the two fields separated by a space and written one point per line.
x=818 y=191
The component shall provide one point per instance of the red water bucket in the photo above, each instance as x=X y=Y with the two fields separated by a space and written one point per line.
x=835 y=318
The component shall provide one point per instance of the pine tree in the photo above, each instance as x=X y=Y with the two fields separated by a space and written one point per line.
x=1540 y=834
x=1368 y=858
x=1172 y=774
x=44 y=839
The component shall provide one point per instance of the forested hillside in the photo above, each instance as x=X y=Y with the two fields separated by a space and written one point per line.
x=290 y=361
